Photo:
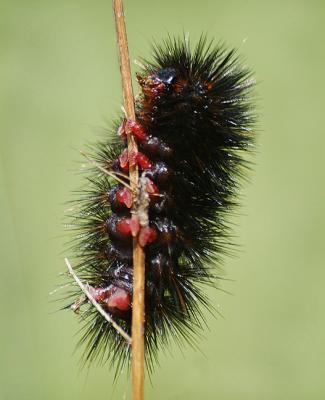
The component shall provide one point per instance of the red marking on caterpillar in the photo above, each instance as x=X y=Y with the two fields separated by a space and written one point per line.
x=127 y=159
x=124 y=160
x=147 y=235
x=151 y=188
x=127 y=227
x=124 y=196
x=112 y=298
x=120 y=300
x=193 y=126
x=142 y=160
x=136 y=129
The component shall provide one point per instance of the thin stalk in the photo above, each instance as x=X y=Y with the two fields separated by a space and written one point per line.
x=138 y=310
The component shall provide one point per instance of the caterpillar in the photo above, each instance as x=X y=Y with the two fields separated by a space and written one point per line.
x=193 y=126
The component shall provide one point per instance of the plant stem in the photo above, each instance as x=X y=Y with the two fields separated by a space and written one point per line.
x=138 y=310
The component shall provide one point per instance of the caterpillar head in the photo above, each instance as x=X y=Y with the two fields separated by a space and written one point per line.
x=159 y=82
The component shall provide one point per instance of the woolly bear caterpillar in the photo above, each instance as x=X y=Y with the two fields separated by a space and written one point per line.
x=193 y=125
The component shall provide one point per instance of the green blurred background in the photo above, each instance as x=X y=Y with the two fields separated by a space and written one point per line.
x=59 y=84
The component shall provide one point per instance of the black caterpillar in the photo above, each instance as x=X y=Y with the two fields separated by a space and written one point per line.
x=193 y=123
